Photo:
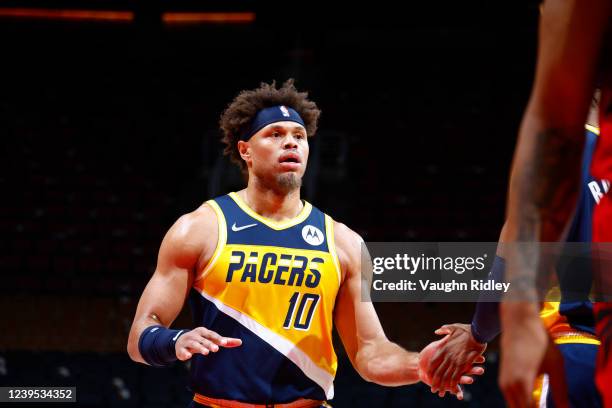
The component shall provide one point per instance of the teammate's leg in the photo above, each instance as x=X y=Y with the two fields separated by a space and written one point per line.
x=579 y=364
x=602 y=233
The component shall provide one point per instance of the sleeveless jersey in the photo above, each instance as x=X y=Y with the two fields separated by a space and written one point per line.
x=575 y=310
x=273 y=285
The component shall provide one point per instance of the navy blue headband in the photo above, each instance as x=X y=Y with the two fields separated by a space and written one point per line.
x=270 y=115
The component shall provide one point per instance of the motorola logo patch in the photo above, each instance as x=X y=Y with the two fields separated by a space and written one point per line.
x=312 y=235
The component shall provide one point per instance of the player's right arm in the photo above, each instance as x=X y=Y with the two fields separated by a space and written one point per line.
x=544 y=176
x=186 y=248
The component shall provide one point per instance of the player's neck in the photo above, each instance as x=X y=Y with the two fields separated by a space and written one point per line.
x=593 y=118
x=272 y=204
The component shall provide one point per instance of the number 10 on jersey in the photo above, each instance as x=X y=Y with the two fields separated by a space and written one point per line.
x=306 y=304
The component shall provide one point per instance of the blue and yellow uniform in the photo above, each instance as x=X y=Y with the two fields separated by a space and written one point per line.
x=571 y=321
x=575 y=310
x=273 y=285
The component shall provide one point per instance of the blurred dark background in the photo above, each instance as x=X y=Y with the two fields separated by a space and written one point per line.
x=108 y=130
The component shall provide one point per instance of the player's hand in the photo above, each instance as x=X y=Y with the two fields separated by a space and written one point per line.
x=203 y=341
x=523 y=346
x=453 y=357
x=425 y=357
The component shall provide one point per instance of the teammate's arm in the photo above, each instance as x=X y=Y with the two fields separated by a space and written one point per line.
x=545 y=174
x=187 y=245
x=374 y=357
x=464 y=344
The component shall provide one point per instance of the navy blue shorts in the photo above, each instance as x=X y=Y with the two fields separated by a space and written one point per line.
x=579 y=362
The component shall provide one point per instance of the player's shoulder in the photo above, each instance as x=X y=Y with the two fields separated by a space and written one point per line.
x=343 y=233
x=348 y=243
x=194 y=229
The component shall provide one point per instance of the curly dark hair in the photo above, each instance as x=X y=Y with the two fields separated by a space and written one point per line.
x=236 y=119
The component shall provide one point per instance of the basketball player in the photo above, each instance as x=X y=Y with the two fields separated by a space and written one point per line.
x=573 y=52
x=267 y=275
x=569 y=322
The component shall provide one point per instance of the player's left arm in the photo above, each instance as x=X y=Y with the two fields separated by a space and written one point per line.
x=373 y=355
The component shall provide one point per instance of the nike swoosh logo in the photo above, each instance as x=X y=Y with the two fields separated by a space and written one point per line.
x=236 y=229
x=177 y=335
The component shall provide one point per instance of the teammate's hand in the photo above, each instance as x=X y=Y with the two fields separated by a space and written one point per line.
x=425 y=357
x=203 y=341
x=453 y=357
x=523 y=345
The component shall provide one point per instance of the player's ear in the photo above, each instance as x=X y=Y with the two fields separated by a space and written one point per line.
x=244 y=149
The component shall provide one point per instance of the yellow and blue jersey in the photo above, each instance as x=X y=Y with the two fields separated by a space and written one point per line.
x=273 y=285
x=574 y=311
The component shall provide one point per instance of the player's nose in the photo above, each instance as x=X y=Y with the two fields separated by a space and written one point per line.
x=290 y=142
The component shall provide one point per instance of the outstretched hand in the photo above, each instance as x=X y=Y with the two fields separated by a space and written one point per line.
x=203 y=341
x=448 y=362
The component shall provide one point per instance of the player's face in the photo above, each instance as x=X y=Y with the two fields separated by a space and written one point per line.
x=278 y=153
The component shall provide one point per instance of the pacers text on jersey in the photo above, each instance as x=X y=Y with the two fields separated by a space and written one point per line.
x=278 y=269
